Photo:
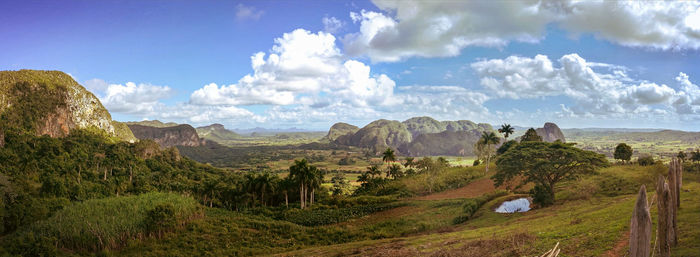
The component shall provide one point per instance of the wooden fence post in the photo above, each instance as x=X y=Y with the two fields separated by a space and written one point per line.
x=663 y=196
x=640 y=227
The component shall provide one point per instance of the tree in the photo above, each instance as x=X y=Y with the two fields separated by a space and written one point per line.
x=531 y=136
x=623 y=152
x=506 y=130
x=341 y=186
x=388 y=155
x=546 y=164
x=305 y=176
x=505 y=146
x=409 y=162
x=681 y=155
x=695 y=156
x=394 y=171
x=485 y=146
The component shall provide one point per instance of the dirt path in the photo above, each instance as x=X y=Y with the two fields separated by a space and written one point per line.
x=619 y=248
x=474 y=189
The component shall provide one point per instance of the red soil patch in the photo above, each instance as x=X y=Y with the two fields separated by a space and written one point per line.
x=619 y=248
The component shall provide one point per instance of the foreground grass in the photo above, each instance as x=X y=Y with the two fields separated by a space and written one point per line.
x=99 y=224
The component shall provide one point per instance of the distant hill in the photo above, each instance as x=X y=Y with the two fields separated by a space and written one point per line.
x=52 y=103
x=258 y=131
x=415 y=136
x=184 y=135
x=340 y=129
x=550 y=132
x=152 y=123
x=216 y=133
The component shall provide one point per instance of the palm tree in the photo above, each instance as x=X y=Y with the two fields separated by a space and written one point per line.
x=373 y=171
x=506 y=130
x=409 y=162
x=285 y=185
x=388 y=155
x=306 y=176
x=394 y=171
x=488 y=139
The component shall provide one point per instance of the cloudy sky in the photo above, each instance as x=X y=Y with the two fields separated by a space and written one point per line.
x=309 y=64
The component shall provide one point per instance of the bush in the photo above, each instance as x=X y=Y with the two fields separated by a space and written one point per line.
x=646 y=160
x=470 y=206
x=541 y=196
x=107 y=223
x=476 y=163
x=320 y=217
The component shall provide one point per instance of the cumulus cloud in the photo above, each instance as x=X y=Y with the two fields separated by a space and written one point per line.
x=594 y=93
x=96 y=86
x=443 y=28
x=131 y=98
x=300 y=66
x=244 y=12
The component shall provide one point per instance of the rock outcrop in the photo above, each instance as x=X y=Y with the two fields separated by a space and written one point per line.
x=216 y=133
x=381 y=134
x=52 y=103
x=184 y=135
x=341 y=129
x=550 y=133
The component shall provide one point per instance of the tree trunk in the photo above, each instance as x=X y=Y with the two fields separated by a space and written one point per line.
x=313 y=191
x=286 y=199
x=79 y=175
x=663 y=229
x=301 y=195
x=487 y=163
x=131 y=173
x=105 y=176
x=262 y=198
x=640 y=227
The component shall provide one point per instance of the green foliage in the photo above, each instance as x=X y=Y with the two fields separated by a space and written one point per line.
x=542 y=196
x=107 y=223
x=623 y=152
x=506 y=130
x=340 y=185
x=476 y=162
x=531 y=136
x=546 y=164
x=320 y=217
x=505 y=146
x=645 y=160
x=470 y=206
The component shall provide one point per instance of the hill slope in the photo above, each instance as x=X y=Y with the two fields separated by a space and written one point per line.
x=184 y=135
x=216 y=133
x=51 y=103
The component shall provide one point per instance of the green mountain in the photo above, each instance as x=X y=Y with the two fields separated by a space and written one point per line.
x=341 y=129
x=52 y=103
x=381 y=134
x=216 y=133
x=415 y=136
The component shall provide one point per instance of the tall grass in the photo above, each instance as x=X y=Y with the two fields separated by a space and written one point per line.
x=106 y=223
x=447 y=178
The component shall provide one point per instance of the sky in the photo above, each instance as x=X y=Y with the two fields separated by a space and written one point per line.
x=310 y=64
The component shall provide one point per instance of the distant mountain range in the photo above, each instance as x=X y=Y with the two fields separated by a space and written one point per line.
x=265 y=131
x=420 y=136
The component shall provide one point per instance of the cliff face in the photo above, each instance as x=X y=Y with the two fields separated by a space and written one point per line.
x=51 y=103
x=217 y=133
x=550 y=133
x=184 y=135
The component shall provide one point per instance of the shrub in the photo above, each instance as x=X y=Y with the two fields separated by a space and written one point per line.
x=476 y=163
x=470 y=206
x=319 y=217
x=646 y=160
x=107 y=223
x=541 y=196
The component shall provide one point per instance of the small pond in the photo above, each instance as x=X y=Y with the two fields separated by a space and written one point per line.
x=517 y=205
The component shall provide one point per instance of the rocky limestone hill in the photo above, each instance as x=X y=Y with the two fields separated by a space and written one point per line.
x=184 y=135
x=415 y=136
x=52 y=103
x=217 y=133
x=379 y=135
x=341 y=129
x=550 y=133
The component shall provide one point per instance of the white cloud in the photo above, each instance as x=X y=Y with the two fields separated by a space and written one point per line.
x=332 y=24
x=244 y=12
x=96 y=86
x=594 y=93
x=443 y=28
x=134 y=99
x=300 y=66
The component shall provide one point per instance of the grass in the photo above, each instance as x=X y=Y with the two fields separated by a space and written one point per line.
x=106 y=223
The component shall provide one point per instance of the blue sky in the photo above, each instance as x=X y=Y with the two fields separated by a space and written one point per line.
x=313 y=63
